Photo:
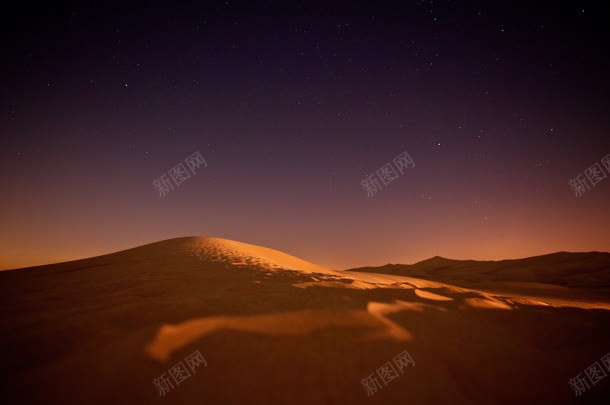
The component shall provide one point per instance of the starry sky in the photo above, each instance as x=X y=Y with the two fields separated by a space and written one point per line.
x=292 y=105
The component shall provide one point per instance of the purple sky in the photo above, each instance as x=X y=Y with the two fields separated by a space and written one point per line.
x=500 y=106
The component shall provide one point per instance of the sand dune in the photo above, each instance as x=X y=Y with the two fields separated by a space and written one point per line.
x=574 y=270
x=579 y=276
x=244 y=254
x=274 y=328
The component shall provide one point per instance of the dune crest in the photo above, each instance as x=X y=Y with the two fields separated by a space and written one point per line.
x=247 y=255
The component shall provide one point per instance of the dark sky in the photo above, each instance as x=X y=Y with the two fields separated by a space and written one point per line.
x=292 y=104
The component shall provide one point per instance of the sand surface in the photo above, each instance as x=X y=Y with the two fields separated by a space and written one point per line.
x=275 y=329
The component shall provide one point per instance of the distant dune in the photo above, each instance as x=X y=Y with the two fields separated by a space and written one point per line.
x=587 y=274
x=277 y=329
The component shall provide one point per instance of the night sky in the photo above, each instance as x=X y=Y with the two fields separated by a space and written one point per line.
x=292 y=104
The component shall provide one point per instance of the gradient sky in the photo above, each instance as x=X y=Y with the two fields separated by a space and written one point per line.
x=292 y=104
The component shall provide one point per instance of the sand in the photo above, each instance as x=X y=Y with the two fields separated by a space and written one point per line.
x=277 y=329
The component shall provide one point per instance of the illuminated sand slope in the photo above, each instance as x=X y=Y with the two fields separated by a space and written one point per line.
x=557 y=278
x=277 y=329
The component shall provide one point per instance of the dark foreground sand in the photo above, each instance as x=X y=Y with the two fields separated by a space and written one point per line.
x=277 y=330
